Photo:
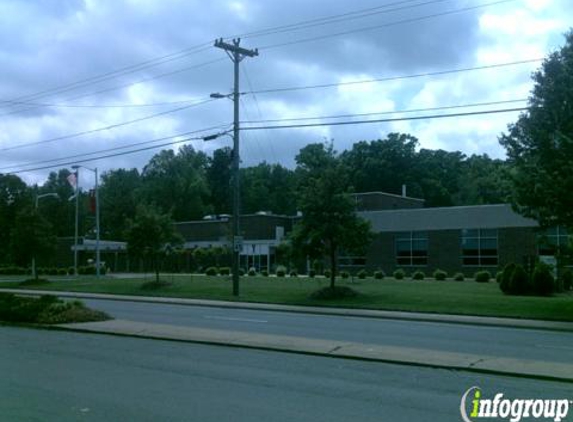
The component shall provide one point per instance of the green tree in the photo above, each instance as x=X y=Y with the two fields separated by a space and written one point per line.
x=31 y=238
x=219 y=179
x=14 y=195
x=61 y=212
x=118 y=199
x=268 y=187
x=329 y=222
x=540 y=144
x=148 y=234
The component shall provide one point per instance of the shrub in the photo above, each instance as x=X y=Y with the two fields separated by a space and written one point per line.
x=252 y=271
x=567 y=279
x=362 y=274
x=241 y=271
x=482 y=276
x=418 y=275
x=498 y=276
x=211 y=271
x=344 y=274
x=62 y=271
x=312 y=273
x=543 y=282
x=33 y=282
x=440 y=275
x=506 y=277
x=459 y=277
x=281 y=271
x=379 y=275
x=225 y=270
x=399 y=274
x=518 y=281
x=71 y=271
x=294 y=273
x=264 y=273
x=327 y=273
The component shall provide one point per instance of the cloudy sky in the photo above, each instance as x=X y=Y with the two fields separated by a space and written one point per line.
x=83 y=77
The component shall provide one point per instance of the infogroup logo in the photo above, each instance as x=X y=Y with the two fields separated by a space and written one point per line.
x=513 y=409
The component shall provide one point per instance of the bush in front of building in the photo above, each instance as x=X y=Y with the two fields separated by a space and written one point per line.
x=440 y=275
x=312 y=273
x=566 y=279
x=264 y=273
x=379 y=274
x=281 y=271
x=482 y=276
x=293 y=273
x=459 y=277
x=211 y=271
x=399 y=274
x=13 y=271
x=252 y=271
x=542 y=280
x=225 y=270
x=362 y=274
x=514 y=280
x=62 y=271
x=344 y=274
x=506 y=277
x=327 y=273
x=418 y=275
x=498 y=276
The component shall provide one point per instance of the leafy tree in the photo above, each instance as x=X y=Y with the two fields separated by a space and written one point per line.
x=61 y=212
x=148 y=234
x=31 y=237
x=219 y=179
x=118 y=201
x=268 y=187
x=540 y=144
x=483 y=180
x=14 y=195
x=329 y=222
x=176 y=183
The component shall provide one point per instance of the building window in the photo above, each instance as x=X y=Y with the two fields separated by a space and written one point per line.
x=550 y=241
x=412 y=249
x=351 y=261
x=479 y=247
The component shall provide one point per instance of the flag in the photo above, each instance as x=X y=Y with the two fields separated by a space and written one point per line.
x=73 y=180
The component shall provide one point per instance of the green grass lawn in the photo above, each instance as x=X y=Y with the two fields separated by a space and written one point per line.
x=449 y=297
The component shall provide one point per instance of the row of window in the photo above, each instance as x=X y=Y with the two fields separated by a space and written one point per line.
x=479 y=247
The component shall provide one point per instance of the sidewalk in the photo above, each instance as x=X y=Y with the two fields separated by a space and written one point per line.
x=363 y=313
x=333 y=348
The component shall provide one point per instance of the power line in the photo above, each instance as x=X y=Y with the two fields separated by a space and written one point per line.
x=339 y=116
x=116 y=125
x=398 y=119
x=386 y=25
x=394 y=78
x=69 y=157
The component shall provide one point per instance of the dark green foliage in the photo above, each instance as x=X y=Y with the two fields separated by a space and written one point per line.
x=327 y=273
x=45 y=310
x=542 y=280
x=32 y=236
x=264 y=273
x=540 y=144
x=13 y=271
x=225 y=270
x=293 y=273
x=499 y=276
x=242 y=272
x=567 y=279
x=330 y=293
x=399 y=274
x=155 y=285
x=344 y=274
x=34 y=282
x=252 y=272
x=440 y=275
x=459 y=277
x=211 y=271
x=362 y=274
x=281 y=271
x=379 y=274
x=482 y=276
x=505 y=279
x=519 y=282
x=312 y=273
x=418 y=275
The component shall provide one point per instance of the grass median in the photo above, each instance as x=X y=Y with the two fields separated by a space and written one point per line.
x=447 y=297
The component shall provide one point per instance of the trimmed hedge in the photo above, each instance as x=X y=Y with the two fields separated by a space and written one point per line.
x=379 y=275
x=440 y=275
x=459 y=277
x=399 y=274
x=362 y=274
x=482 y=276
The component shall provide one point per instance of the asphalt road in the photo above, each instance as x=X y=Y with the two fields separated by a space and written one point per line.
x=488 y=341
x=59 y=376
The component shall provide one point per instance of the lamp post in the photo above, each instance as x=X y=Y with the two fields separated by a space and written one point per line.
x=38 y=197
x=94 y=170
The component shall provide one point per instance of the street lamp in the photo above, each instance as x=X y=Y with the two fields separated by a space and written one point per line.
x=38 y=197
x=94 y=170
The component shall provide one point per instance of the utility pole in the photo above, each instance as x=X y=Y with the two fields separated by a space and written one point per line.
x=76 y=168
x=236 y=54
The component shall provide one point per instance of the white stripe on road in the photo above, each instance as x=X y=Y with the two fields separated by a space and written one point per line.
x=234 y=319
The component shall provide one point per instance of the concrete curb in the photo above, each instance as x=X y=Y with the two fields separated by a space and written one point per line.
x=562 y=372
x=360 y=313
